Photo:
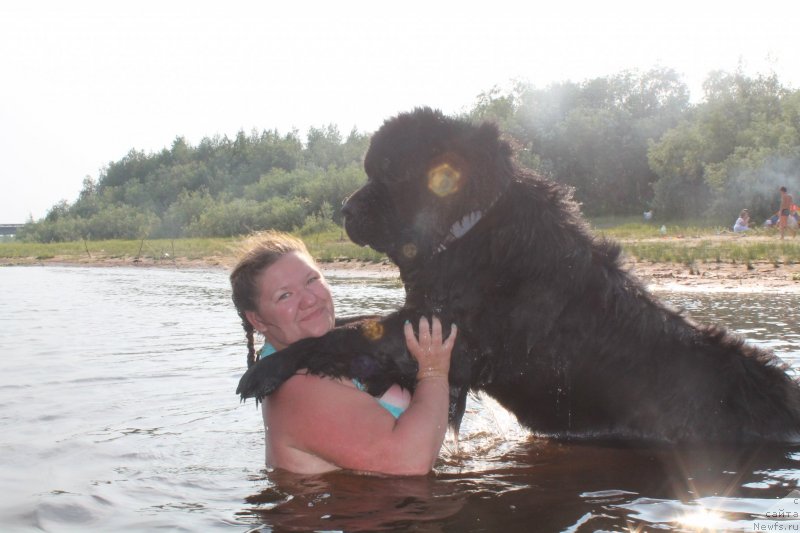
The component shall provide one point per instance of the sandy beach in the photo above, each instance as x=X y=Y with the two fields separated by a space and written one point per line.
x=710 y=277
x=759 y=276
x=719 y=277
x=704 y=277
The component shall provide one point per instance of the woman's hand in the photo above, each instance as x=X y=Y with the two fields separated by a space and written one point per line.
x=432 y=354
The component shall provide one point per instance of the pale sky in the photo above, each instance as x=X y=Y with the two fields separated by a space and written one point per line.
x=85 y=81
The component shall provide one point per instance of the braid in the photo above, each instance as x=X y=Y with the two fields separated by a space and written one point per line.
x=251 y=352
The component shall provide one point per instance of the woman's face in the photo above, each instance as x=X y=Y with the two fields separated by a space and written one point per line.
x=294 y=301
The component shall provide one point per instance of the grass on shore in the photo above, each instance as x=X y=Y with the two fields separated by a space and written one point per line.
x=743 y=252
x=692 y=243
x=325 y=247
x=645 y=242
x=155 y=249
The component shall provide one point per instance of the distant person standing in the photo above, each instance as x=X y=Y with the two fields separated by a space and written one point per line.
x=784 y=211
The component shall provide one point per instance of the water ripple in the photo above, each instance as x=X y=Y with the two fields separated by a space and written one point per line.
x=118 y=412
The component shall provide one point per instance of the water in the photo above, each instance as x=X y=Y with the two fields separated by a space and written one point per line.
x=118 y=412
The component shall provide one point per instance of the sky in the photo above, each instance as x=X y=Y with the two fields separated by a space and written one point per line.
x=86 y=81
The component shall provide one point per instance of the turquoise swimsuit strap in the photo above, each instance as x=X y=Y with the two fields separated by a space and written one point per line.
x=266 y=350
x=394 y=410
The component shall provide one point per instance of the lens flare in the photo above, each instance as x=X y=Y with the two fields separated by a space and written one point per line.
x=702 y=520
x=372 y=330
x=444 y=180
x=409 y=250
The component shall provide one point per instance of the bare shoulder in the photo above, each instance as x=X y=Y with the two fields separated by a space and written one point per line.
x=305 y=383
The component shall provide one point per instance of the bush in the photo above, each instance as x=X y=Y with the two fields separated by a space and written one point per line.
x=319 y=222
x=121 y=222
x=62 y=229
x=243 y=216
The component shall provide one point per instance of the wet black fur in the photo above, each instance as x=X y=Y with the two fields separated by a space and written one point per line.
x=550 y=324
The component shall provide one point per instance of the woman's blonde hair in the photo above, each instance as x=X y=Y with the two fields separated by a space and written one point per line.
x=259 y=252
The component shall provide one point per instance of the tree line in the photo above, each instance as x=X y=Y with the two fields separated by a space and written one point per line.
x=625 y=143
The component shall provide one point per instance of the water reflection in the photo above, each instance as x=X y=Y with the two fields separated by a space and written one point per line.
x=769 y=320
x=365 y=296
x=346 y=502
x=550 y=487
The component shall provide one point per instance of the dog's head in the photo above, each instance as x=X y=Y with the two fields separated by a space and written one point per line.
x=430 y=177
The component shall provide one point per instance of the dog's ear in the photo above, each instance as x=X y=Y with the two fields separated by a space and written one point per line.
x=496 y=149
x=492 y=160
x=488 y=132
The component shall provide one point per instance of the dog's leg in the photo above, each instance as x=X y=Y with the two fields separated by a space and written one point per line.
x=372 y=351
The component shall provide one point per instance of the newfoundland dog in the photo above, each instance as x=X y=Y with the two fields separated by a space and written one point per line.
x=550 y=324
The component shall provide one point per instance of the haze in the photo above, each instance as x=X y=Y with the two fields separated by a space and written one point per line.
x=84 y=82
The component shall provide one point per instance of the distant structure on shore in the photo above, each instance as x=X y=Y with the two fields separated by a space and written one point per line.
x=9 y=229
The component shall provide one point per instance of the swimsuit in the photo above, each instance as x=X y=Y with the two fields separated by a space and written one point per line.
x=394 y=410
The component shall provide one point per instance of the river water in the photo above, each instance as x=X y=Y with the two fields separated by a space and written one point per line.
x=118 y=412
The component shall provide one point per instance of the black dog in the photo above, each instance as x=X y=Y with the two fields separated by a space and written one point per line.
x=550 y=325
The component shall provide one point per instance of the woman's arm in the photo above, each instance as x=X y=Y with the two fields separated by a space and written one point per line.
x=331 y=421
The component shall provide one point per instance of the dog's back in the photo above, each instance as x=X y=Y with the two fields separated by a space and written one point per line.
x=576 y=346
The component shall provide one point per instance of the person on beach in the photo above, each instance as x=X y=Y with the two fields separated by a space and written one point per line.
x=315 y=424
x=784 y=212
x=742 y=223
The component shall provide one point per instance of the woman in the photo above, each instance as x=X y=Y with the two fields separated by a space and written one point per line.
x=742 y=223
x=316 y=424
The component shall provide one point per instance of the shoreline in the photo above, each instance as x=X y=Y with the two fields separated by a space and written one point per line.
x=762 y=277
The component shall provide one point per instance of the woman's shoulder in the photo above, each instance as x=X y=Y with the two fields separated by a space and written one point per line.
x=307 y=394
x=303 y=382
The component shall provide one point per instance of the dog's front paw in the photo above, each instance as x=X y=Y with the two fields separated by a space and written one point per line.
x=263 y=378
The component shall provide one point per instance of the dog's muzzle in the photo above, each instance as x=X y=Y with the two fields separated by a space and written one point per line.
x=354 y=217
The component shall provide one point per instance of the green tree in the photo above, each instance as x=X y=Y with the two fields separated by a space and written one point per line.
x=323 y=147
x=185 y=212
x=732 y=151
x=120 y=222
x=331 y=187
x=676 y=159
x=595 y=135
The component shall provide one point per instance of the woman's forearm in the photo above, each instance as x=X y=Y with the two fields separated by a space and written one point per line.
x=418 y=434
x=420 y=430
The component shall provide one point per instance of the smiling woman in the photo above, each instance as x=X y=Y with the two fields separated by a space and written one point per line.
x=279 y=292
x=294 y=303
x=317 y=424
